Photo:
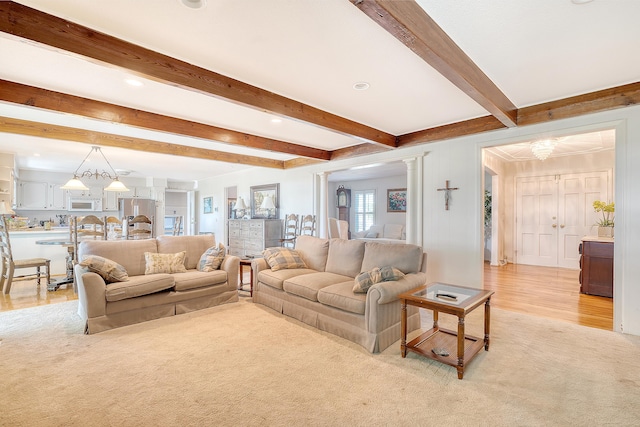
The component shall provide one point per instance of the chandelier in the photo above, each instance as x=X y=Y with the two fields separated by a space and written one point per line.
x=75 y=183
x=543 y=148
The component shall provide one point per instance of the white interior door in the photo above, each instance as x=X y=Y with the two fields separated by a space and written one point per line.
x=553 y=213
x=536 y=214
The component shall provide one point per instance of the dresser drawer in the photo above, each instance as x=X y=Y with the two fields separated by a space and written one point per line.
x=255 y=225
x=234 y=232
x=255 y=234
x=253 y=245
x=236 y=252
x=236 y=243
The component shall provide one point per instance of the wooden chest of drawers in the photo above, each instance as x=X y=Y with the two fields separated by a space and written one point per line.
x=596 y=267
x=249 y=237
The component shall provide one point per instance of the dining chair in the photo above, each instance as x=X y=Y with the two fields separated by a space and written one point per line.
x=290 y=230
x=308 y=225
x=176 y=226
x=140 y=227
x=9 y=265
x=113 y=228
x=87 y=227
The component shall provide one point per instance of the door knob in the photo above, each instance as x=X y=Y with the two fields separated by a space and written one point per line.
x=554 y=225
x=561 y=225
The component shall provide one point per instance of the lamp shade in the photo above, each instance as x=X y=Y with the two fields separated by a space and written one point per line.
x=116 y=185
x=267 y=203
x=240 y=204
x=5 y=209
x=75 y=184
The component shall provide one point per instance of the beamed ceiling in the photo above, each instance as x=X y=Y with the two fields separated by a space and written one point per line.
x=214 y=79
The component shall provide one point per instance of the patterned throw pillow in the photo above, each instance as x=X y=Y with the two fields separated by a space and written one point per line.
x=212 y=258
x=164 y=263
x=110 y=270
x=283 y=258
x=367 y=279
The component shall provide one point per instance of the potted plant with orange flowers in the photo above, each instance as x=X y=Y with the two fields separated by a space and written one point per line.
x=606 y=221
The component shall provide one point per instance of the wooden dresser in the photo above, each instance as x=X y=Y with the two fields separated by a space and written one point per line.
x=249 y=237
x=596 y=266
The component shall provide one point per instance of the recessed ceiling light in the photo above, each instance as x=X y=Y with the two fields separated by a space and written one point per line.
x=36 y=154
x=361 y=86
x=276 y=120
x=133 y=82
x=194 y=4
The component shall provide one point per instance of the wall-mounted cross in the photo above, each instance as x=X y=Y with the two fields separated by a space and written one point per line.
x=447 y=193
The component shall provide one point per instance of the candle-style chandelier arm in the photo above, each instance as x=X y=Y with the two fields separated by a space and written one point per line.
x=96 y=174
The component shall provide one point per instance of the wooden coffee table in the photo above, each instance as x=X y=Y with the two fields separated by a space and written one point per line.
x=246 y=262
x=446 y=346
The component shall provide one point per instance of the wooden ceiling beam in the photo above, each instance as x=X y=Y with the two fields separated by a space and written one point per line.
x=602 y=100
x=31 y=24
x=64 y=133
x=55 y=101
x=452 y=130
x=409 y=23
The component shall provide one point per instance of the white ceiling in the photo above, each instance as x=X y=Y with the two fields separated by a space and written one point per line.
x=313 y=51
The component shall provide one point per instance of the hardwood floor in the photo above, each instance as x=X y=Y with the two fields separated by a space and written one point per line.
x=25 y=293
x=539 y=291
x=547 y=292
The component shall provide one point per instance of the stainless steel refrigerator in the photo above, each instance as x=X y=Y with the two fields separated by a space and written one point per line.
x=130 y=207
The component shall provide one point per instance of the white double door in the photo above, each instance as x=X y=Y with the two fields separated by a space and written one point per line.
x=553 y=213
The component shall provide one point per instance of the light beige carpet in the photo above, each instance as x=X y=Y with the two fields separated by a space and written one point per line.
x=243 y=364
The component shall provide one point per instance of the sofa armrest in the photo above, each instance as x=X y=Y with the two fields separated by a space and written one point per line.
x=231 y=264
x=92 y=293
x=386 y=292
x=257 y=265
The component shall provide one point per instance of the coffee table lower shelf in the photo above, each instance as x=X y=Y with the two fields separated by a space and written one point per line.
x=444 y=338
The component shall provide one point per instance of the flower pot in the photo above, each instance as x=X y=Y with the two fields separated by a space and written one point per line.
x=605 y=231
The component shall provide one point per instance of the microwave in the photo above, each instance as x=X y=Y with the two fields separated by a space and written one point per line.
x=85 y=205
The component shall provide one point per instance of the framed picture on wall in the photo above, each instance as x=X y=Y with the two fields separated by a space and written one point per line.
x=207 y=205
x=397 y=200
x=265 y=200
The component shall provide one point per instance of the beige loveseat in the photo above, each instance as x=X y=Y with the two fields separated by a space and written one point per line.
x=387 y=233
x=145 y=297
x=322 y=296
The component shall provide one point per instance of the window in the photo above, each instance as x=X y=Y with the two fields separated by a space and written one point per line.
x=365 y=209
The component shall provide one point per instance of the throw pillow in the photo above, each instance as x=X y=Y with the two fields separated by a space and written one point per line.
x=371 y=235
x=367 y=279
x=110 y=270
x=283 y=258
x=164 y=263
x=212 y=258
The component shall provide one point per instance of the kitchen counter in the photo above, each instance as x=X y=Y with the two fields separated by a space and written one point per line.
x=23 y=245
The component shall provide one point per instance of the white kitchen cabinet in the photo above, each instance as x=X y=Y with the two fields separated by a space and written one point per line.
x=7 y=179
x=33 y=195
x=110 y=200
x=58 y=198
x=142 y=192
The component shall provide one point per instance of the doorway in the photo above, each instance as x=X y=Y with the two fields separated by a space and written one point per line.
x=546 y=208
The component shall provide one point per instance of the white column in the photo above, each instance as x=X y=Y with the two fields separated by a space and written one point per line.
x=414 y=206
x=322 y=222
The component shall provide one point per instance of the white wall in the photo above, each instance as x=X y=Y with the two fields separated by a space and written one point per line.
x=453 y=238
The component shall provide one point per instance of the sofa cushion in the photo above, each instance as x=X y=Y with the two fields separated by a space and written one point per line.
x=393 y=231
x=406 y=258
x=345 y=257
x=275 y=279
x=164 y=263
x=313 y=251
x=371 y=235
x=341 y=296
x=194 y=279
x=127 y=253
x=110 y=270
x=212 y=258
x=307 y=286
x=138 y=286
x=367 y=279
x=283 y=259
x=194 y=246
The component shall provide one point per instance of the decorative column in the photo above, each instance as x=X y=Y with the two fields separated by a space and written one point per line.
x=323 y=222
x=414 y=207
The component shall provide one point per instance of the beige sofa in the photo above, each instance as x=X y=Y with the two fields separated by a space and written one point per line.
x=322 y=296
x=387 y=233
x=145 y=297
